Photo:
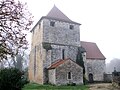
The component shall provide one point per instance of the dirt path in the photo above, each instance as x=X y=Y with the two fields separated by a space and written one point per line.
x=102 y=86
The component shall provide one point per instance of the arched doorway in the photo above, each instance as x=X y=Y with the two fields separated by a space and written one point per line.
x=91 y=78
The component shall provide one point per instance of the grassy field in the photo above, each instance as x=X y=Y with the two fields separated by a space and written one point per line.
x=51 y=87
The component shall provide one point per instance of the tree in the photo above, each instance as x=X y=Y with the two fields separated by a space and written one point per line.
x=15 y=21
x=12 y=79
x=113 y=64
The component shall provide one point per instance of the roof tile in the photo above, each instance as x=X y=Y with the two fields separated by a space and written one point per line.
x=55 y=13
x=92 y=51
x=58 y=62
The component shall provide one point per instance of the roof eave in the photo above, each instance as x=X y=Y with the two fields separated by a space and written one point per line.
x=97 y=58
x=47 y=17
x=53 y=19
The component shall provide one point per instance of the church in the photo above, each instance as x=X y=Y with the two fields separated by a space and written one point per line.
x=54 y=50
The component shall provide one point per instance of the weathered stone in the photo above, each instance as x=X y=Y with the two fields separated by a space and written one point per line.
x=96 y=68
x=51 y=43
x=58 y=75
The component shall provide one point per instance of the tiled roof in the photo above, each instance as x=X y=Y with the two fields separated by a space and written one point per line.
x=92 y=51
x=55 y=13
x=57 y=63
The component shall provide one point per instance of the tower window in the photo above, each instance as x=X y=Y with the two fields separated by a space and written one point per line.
x=63 y=54
x=52 y=23
x=69 y=75
x=71 y=27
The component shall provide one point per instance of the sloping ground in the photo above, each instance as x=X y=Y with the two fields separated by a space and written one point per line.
x=102 y=86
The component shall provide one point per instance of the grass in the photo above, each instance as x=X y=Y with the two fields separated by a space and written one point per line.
x=33 y=86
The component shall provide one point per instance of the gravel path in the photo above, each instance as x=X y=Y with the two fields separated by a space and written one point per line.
x=102 y=86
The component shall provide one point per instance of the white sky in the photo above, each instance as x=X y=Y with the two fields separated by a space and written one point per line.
x=100 y=20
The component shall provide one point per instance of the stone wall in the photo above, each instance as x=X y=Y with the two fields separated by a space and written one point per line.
x=60 y=33
x=69 y=52
x=37 y=35
x=96 y=68
x=107 y=77
x=37 y=55
x=62 y=71
x=35 y=64
x=116 y=79
x=52 y=76
x=60 y=37
x=56 y=53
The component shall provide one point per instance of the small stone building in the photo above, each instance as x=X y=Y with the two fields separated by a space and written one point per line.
x=65 y=72
x=55 y=38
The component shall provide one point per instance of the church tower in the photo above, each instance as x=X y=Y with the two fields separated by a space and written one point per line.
x=54 y=37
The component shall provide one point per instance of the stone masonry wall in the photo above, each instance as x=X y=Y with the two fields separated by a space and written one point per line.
x=37 y=35
x=52 y=76
x=60 y=33
x=97 y=68
x=55 y=54
x=40 y=59
x=62 y=71
x=37 y=55
x=36 y=64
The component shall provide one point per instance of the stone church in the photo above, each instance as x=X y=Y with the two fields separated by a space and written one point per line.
x=54 y=49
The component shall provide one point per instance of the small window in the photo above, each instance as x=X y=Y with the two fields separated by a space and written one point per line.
x=63 y=54
x=52 y=23
x=71 y=27
x=69 y=75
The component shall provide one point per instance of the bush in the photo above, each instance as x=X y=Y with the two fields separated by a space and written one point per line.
x=12 y=79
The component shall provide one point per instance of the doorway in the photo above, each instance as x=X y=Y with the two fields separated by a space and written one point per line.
x=91 y=78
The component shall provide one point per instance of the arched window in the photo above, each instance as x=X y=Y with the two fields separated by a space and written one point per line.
x=69 y=75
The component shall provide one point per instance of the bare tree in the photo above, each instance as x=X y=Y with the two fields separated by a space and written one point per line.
x=15 y=21
x=113 y=65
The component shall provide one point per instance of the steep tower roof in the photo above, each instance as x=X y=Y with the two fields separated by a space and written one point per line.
x=57 y=14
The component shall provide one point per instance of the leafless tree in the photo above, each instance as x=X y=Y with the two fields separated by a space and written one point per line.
x=15 y=21
x=113 y=65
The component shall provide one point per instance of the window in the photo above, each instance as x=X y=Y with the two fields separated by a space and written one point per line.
x=52 y=23
x=63 y=54
x=71 y=27
x=69 y=75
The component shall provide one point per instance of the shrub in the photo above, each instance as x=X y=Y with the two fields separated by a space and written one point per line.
x=12 y=79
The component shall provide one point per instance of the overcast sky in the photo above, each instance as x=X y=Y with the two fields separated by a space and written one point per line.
x=100 y=20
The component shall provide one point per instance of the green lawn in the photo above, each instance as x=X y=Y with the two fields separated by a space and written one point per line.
x=51 y=87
